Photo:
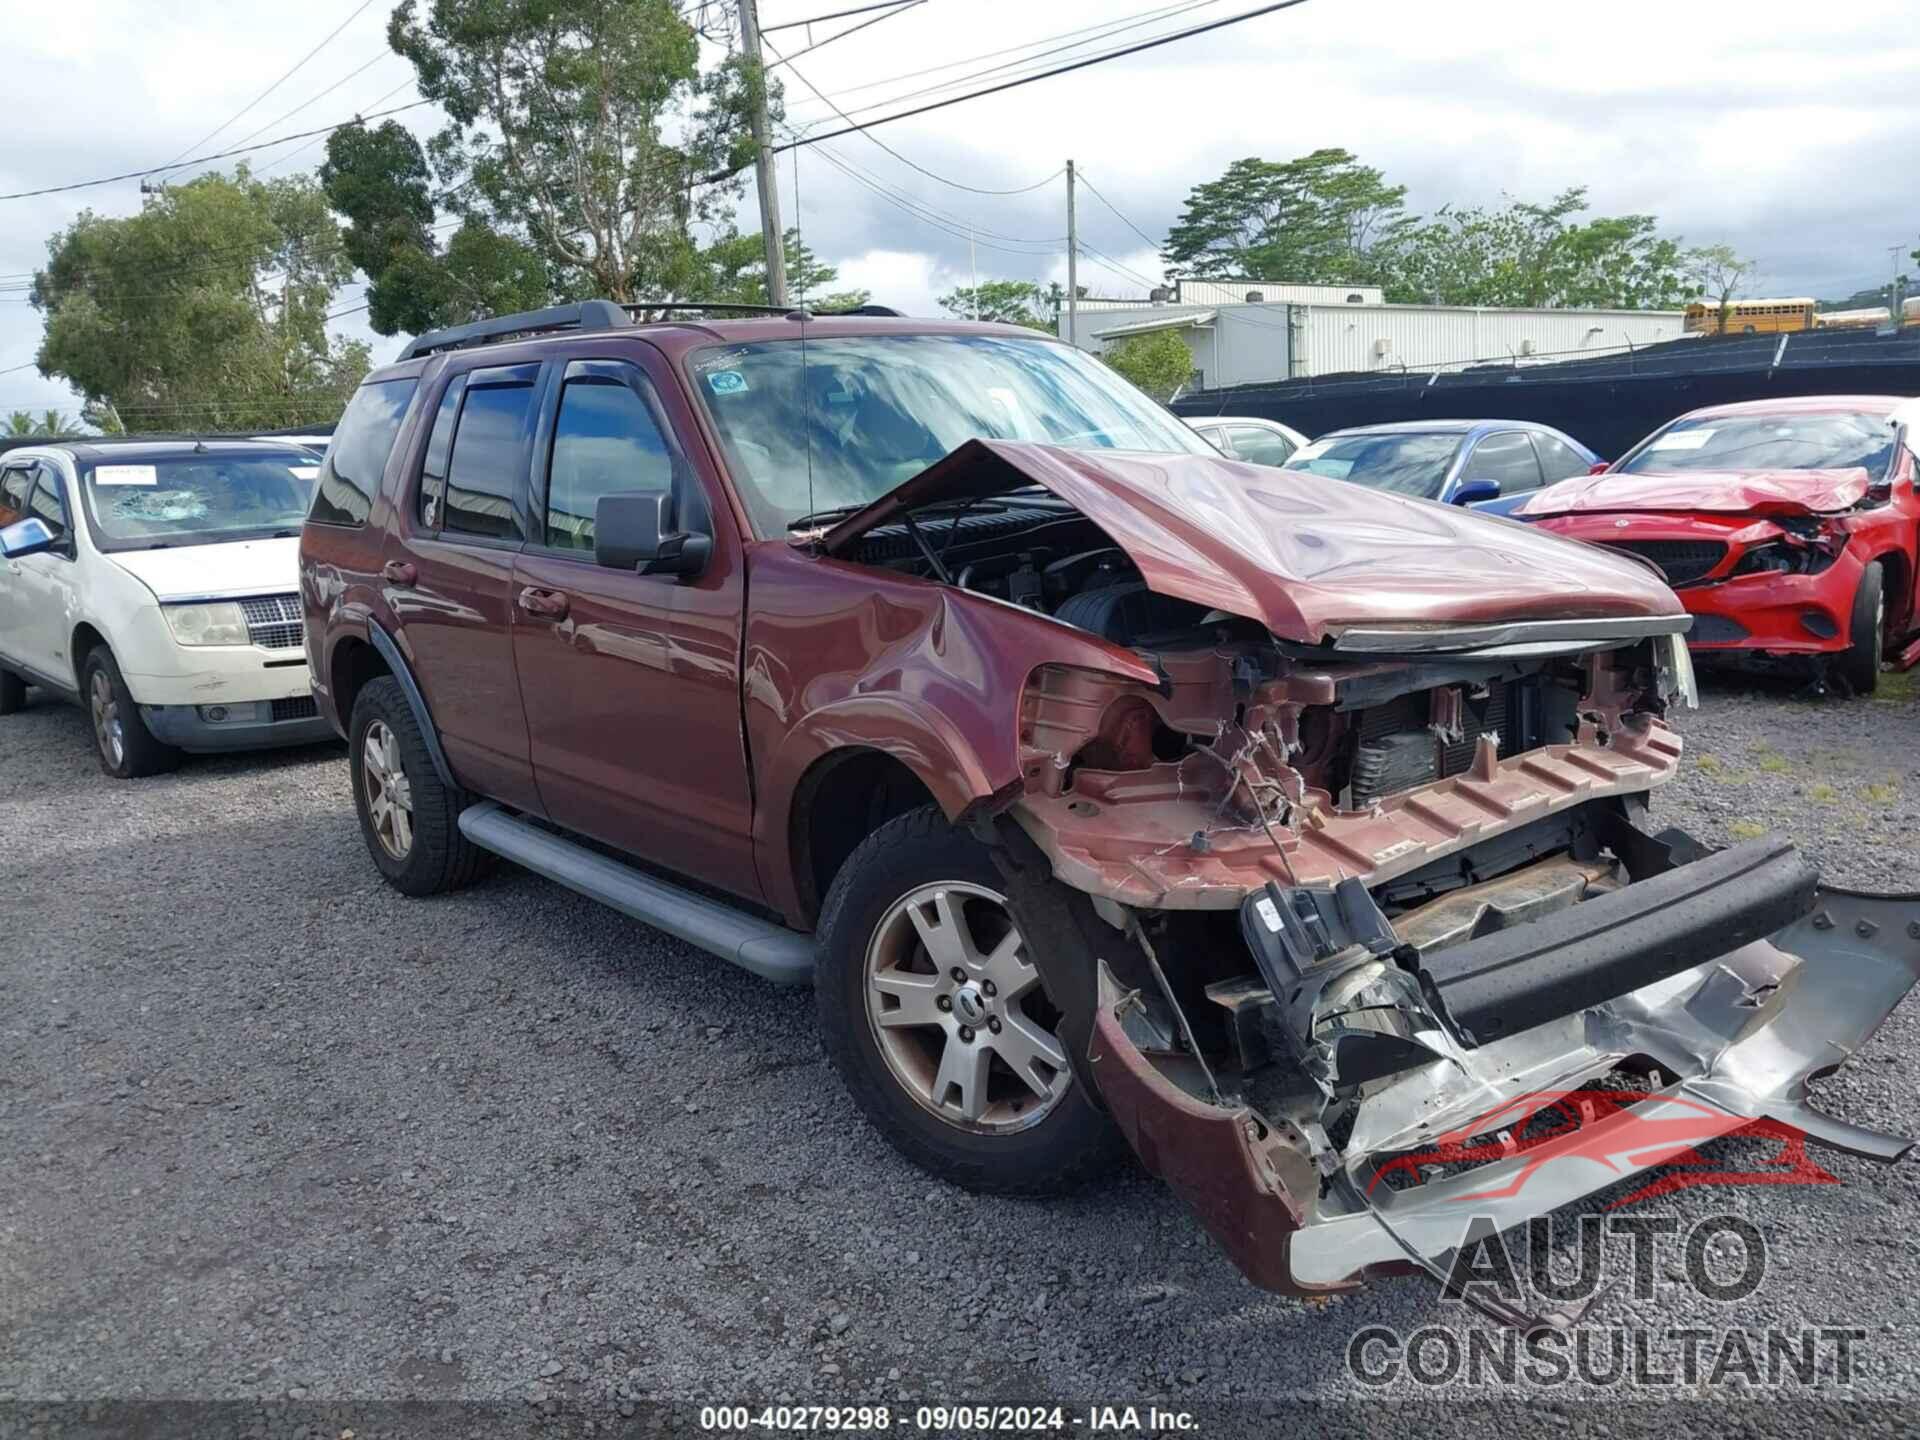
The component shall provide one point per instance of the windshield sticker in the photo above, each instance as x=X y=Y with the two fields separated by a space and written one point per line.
x=305 y=472
x=704 y=363
x=125 y=475
x=727 y=382
x=1682 y=440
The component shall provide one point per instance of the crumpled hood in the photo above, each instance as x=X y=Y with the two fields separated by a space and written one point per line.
x=1719 y=492
x=239 y=567
x=1306 y=556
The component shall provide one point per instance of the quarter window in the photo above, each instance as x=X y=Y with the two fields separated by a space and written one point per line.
x=48 y=502
x=605 y=442
x=350 y=475
x=1262 y=447
x=488 y=466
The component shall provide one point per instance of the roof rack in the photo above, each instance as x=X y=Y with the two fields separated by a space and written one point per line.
x=587 y=315
x=595 y=315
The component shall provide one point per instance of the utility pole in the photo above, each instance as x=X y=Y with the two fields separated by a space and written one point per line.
x=1073 y=266
x=763 y=158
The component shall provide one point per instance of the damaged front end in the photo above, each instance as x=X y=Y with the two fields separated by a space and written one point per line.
x=1348 y=865
x=1362 y=1053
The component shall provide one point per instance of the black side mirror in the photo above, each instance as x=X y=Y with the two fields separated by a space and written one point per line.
x=632 y=531
x=31 y=536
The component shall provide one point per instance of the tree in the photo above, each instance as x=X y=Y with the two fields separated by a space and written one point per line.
x=582 y=126
x=736 y=270
x=1718 y=272
x=1527 y=255
x=1008 y=302
x=379 y=180
x=1315 y=219
x=1158 y=362
x=50 y=423
x=207 y=310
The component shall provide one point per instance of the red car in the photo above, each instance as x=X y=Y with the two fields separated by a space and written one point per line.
x=1787 y=527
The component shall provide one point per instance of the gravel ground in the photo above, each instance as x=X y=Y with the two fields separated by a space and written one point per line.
x=273 y=1130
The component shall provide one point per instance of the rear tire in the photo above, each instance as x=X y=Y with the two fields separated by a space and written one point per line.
x=409 y=817
x=13 y=693
x=1038 y=1136
x=1866 y=634
x=127 y=750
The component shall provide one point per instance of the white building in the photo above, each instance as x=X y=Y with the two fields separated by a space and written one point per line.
x=1238 y=342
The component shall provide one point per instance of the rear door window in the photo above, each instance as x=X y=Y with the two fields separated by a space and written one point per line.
x=487 y=468
x=1506 y=457
x=606 y=441
x=357 y=458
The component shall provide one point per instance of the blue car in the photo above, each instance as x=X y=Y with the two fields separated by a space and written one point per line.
x=1485 y=464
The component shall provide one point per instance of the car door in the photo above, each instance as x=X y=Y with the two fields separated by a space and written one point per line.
x=1505 y=456
x=1259 y=445
x=46 y=586
x=632 y=682
x=16 y=483
x=451 y=575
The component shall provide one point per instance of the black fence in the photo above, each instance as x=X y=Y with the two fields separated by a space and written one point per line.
x=1608 y=402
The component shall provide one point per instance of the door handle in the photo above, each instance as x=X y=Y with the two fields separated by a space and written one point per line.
x=547 y=604
x=399 y=572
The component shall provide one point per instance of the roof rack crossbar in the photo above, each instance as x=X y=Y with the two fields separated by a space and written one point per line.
x=587 y=315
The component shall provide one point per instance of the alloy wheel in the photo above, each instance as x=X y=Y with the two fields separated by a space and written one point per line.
x=108 y=731
x=389 y=793
x=958 y=1012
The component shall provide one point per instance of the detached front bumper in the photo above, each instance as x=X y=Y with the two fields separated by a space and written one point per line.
x=1441 y=1140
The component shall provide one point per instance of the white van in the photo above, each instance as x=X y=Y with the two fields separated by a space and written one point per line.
x=154 y=583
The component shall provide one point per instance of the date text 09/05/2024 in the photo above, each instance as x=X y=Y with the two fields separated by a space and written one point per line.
x=1095 y=1419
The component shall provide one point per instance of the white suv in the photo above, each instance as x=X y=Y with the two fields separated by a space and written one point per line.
x=155 y=584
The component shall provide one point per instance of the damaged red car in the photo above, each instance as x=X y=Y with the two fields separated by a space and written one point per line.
x=1108 y=791
x=1788 y=528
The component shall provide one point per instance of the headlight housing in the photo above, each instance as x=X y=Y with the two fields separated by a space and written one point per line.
x=220 y=622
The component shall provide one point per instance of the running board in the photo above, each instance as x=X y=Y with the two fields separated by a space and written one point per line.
x=770 y=951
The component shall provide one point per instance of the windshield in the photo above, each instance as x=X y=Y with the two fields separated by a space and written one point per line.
x=197 y=499
x=859 y=415
x=1407 y=464
x=1768 y=442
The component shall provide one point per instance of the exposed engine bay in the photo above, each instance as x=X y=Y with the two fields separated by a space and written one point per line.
x=1348 y=912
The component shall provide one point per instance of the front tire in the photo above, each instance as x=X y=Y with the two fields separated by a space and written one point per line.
x=937 y=1021
x=126 y=748
x=409 y=817
x=1866 y=634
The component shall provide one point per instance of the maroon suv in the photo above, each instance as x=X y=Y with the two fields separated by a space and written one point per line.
x=1103 y=787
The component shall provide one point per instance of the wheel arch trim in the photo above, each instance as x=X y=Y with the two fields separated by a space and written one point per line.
x=416 y=702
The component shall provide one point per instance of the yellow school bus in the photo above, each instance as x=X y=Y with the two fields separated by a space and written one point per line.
x=1750 y=317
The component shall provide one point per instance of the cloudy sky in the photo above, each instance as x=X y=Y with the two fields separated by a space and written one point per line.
x=1787 y=131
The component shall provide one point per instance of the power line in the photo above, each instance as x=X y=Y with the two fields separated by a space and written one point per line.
x=353 y=74
x=276 y=84
x=1081 y=175
x=277 y=162
x=938 y=220
x=970 y=189
x=1107 y=28
x=836 y=15
x=901 y=7
x=1080 y=64
x=226 y=154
